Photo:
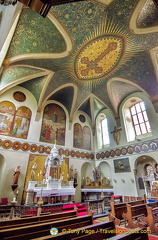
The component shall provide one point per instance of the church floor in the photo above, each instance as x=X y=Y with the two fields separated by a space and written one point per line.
x=122 y=227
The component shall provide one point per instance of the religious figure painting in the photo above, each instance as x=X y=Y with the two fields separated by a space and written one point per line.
x=154 y=188
x=82 y=137
x=86 y=138
x=14 y=122
x=53 y=124
x=122 y=165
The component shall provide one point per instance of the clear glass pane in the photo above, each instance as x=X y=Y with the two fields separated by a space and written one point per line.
x=148 y=127
x=135 y=119
x=143 y=128
x=138 y=109
x=142 y=106
x=105 y=134
x=133 y=111
x=145 y=116
x=140 y=117
x=137 y=129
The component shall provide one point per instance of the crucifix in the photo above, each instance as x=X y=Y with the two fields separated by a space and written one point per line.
x=117 y=134
x=93 y=65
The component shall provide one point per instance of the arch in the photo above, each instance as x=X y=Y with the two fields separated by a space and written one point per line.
x=140 y=170
x=106 y=171
x=115 y=86
x=86 y=171
x=128 y=117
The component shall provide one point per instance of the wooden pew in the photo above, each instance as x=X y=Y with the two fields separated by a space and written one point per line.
x=43 y=229
x=95 y=231
x=117 y=209
x=151 y=219
x=12 y=223
x=134 y=212
x=139 y=235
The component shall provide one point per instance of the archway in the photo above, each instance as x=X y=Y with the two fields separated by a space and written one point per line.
x=141 y=164
x=105 y=171
x=86 y=171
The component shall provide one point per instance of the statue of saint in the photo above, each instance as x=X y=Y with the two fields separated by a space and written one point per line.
x=34 y=168
x=71 y=173
x=16 y=175
x=96 y=174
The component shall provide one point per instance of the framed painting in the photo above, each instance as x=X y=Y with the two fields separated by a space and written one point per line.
x=122 y=165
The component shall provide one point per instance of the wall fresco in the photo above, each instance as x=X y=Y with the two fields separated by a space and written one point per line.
x=82 y=137
x=53 y=124
x=14 y=122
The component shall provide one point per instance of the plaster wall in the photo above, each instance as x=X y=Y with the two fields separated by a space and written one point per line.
x=12 y=159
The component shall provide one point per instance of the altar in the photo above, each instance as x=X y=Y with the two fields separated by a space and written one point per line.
x=51 y=189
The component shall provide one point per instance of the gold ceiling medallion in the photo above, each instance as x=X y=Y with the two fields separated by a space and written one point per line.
x=99 y=57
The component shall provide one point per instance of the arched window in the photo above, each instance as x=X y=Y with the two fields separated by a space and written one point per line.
x=102 y=131
x=136 y=120
x=140 y=119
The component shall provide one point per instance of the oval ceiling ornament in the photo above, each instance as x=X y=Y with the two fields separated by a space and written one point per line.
x=99 y=57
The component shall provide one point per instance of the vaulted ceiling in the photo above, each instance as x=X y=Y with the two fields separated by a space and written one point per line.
x=87 y=55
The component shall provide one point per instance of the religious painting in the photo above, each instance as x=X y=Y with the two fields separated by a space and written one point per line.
x=19 y=96
x=122 y=165
x=154 y=188
x=82 y=137
x=7 y=111
x=21 y=122
x=78 y=135
x=14 y=122
x=86 y=138
x=53 y=124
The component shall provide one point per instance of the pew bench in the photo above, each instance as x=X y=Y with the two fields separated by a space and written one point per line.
x=139 y=235
x=117 y=209
x=12 y=223
x=134 y=214
x=151 y=219
x=43 y=229
x=97 y=231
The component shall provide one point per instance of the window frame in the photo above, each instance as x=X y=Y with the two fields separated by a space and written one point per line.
x=138 y=124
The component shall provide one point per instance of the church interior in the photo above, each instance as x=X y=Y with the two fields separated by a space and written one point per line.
x=78 y=101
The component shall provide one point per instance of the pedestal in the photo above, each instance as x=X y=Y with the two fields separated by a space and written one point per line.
x=29 y=197
x=71 y=184
x=31 y=184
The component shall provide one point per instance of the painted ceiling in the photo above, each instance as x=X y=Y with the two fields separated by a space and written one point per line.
x=87 y=55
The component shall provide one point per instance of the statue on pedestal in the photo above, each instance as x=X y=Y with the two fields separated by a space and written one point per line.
x=15 y=178
x=34 y=168
x=71 y=173
x=96 y=174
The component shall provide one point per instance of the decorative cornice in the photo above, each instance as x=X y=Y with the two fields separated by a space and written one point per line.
x=129 y=150
x=8 y=144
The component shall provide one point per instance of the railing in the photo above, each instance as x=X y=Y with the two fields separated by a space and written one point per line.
x=17 y=211
x=95 y=206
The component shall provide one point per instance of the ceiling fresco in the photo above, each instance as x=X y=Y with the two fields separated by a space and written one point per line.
x=87 y=55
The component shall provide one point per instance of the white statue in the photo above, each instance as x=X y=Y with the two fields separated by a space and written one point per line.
x=52 y=163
